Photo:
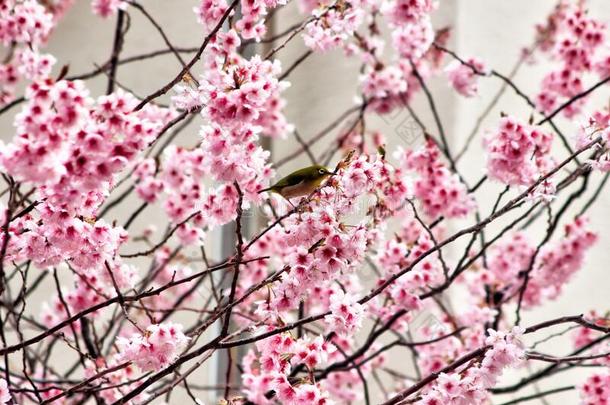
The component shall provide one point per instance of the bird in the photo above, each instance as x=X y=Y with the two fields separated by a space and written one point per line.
x=301 y=182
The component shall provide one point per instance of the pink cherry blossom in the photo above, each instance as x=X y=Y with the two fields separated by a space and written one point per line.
x=573 y=38
x=517 y=152
x=156 y=349
x=346 y=314
x=331 y=28
x=439 y=191
x=107 y=8
x=553 y=268
x=321 y=291
x=595 y=389
x=470 y=385
x=464 y=76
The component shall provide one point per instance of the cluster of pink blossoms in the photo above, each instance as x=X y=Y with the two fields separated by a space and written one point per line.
x=440 y=191
x=268 y=370
x=469 y=386
x=320 y=248
x=25 y=27
x=108 y=8
x=242 y=94
x=158 y=347
x=397 y=253
x=464 y=77
x=554 y=266
x=249 y=25
x=240 y=101
x=385 y=85
x=574 y=38
x=332 y=26
x=71 y=148
x=119 y=379
x=596 y=127
x=412 y=36
x=517 y=153
x=596 y=389
x=236 y=91
x=226 y=155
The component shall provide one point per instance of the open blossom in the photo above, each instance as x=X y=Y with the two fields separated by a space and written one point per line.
x=573 y=38
x=269 y=367
x=439 y=191
x=464 y=77
x=209 y=12
x=239 y=95
x=156 y=349
x=517 y=152
x=25 y=26
x=407 y=11
x=469 y=387
x=107 y=8
x=412 y=41
x=346 y=314
x=553 y=268
x=596 y=389
x=332 y=27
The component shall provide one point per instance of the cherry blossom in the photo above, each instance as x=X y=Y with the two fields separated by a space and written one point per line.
x=464 y=76
x=440 y=191
x=470 y=385
x=595 y=390
x=331 y=27
x=117 y=378
x=553 y=267
x=517 y=153
x=573 y=38
x=107 y=8
x=346 y=313
x=158 y=347
x=322 y=290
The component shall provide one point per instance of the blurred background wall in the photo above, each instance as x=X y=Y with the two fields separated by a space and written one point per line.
x=325 y=86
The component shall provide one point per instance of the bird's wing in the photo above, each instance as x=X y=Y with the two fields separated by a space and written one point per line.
x=292 y=179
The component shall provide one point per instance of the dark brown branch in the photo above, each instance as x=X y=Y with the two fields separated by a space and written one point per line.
x=192 y=62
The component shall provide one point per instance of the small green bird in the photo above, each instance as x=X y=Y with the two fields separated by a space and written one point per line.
x=301 y=182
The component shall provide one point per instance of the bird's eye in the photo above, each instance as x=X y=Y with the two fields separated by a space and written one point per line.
x=321 y=171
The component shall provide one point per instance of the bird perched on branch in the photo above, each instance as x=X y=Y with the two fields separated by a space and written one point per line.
x=301 y=182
